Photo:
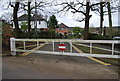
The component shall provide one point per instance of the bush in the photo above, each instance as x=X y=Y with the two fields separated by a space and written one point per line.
x=98 y=37
x=60 y=35
x=43 y=34
x=47 y=34
x=77 y=32
x=39 y=34
x=25 y=34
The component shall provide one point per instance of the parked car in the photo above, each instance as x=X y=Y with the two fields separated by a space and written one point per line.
x=116 y=37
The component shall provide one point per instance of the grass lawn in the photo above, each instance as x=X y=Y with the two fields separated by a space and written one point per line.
x=98 y=51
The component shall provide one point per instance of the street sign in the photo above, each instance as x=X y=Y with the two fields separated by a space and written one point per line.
x=62 y=47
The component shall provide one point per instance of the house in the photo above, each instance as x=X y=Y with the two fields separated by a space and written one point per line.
x=62 y=29
x=41 y=21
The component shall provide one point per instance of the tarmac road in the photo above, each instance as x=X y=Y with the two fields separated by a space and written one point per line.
x=48 y=47
x=58 y=67
x=39 y=66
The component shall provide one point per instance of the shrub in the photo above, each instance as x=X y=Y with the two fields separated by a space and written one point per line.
x=47 y=34
x=24 y=26
x=98 y=37
x=77 y=32
x=39 y=34
x=25 y=34
x=43 y=34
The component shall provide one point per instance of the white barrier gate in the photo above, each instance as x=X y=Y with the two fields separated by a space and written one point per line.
x=70 y=41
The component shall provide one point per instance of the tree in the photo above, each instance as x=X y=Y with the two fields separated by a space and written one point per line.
x=24 y=26
x=29 y=18
x=99 y=9
x=52 y=22
x=101 y=17
x=15 y=20
x=77 y=6
x=87 y=17
x=84 y=7
x=77 y=32
x=23 y=6
x=110 y=20
x=33 y=8
x=103 y=9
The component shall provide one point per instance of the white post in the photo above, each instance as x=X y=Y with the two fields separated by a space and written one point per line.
x=12 y=46
x=24 y=45
x=71 y=46
x=53 y=46
x=112 y=48
x=90 y=47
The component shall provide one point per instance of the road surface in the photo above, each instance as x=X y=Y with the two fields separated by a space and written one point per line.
x=39 y=66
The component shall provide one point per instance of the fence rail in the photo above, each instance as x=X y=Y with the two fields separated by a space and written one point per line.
x=70 y=41
x=98 y=48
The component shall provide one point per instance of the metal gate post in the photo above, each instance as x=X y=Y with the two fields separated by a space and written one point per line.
x=90 y=47
x=24 y=45
x=112 y=48
x=53 y=46
x=71 y=46
x=12 y=46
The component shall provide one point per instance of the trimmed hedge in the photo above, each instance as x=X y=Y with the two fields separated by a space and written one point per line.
x=39 y=34
x=98 y=37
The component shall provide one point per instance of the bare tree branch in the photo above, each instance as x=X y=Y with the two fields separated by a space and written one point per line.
x=76 y=9
x=81 y=20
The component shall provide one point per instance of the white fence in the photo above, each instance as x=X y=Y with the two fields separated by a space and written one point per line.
x=70 y=41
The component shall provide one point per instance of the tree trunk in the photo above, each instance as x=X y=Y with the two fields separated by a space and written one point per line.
x=29 y=19
x=86 y=29
x=35 y=31
x=101 y=18
x=15 y=20
x=104 y=32
x=110 y=19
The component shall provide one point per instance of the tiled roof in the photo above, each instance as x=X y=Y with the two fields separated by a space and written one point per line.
x=33 y=18
x=63 y=25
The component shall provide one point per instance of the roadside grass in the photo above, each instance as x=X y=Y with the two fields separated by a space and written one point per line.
x=98 y=51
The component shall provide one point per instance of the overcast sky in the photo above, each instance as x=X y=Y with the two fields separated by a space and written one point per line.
x=94 y=21
x=70 y=21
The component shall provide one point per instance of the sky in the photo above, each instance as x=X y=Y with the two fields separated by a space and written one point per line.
x=69 y=19
x=94 y=20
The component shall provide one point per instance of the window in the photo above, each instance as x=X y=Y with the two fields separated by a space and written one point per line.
x=60 y=28
x=39 y=22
